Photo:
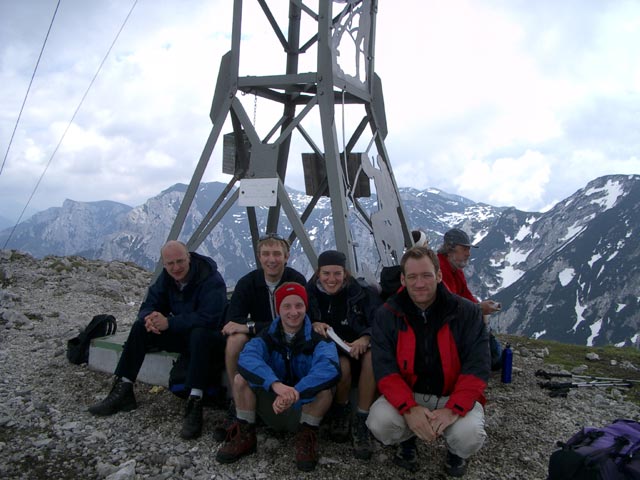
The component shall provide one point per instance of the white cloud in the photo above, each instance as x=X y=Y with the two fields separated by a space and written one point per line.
x=510 y=104
x=506 y=181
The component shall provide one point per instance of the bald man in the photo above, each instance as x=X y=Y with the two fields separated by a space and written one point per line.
x=182 y=313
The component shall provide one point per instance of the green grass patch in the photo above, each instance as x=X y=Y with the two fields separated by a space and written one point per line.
x=614 y=362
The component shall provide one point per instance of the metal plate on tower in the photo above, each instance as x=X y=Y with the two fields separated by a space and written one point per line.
x=258 y=192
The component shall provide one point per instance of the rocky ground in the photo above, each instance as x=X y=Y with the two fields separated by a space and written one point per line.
x=46 y=432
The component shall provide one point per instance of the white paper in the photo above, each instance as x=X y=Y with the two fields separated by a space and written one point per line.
x=341 y=343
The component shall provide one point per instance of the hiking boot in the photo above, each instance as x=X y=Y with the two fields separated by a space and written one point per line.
x=307 y=448
x=220 y=430
x=340 y=423
x=120 y=399
x=407 y=455
x=361 y=438
x=192 y=423
x=455 y=466
x=240 y=440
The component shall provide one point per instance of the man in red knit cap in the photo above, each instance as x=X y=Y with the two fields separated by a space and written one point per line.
x=285 y=375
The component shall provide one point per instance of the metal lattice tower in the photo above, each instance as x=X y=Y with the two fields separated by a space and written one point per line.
x=333 y=167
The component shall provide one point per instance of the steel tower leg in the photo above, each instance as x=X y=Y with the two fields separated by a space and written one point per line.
x=337 y=169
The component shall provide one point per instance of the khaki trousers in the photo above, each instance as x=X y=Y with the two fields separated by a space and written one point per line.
x=463 y=438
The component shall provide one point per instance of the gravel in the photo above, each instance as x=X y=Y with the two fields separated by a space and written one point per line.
x=46 y=432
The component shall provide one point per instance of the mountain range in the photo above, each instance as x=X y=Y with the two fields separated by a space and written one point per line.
x=569 y=274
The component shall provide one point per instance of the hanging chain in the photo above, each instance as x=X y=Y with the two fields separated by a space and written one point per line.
x=255 y=107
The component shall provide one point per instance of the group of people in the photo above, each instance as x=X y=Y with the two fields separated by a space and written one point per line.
x=293 y=351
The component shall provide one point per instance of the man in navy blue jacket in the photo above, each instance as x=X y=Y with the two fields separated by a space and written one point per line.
x=286 y=375
x=181 y=313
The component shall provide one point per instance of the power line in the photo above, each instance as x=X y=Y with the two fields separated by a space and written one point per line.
x=4 y=160
x=70 y=123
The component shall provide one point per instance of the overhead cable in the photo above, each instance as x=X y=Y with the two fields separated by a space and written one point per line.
x=70 y=123
x=15 y=127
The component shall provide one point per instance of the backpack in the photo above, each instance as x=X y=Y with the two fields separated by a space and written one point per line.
x=389 y=281
x=99 y=326
x=608 y=453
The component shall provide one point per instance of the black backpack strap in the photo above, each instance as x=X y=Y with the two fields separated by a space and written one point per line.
x=112 y=325
x=99 y=326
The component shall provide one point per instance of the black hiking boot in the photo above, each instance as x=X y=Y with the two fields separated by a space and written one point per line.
x=361 y=438
x=407 y=455
x=454 y=465
x=192 y=423
x=120 y=399
x=340 y=425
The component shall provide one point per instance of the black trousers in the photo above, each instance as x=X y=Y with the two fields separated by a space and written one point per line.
x=204 y=346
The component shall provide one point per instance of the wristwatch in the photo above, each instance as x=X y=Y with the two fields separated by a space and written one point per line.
x=252 y=328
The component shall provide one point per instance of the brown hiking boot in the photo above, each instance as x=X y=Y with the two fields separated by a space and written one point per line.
x=307 y=448
x=241 y=440
x=220 y=430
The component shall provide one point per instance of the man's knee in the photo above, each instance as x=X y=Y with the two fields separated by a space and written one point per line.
x=384 y=422
x=324 y=399
x=239 y=382
x=206 y=338
x=138 y=328
x=235 y=343
x=467 y=435
x=138 y=335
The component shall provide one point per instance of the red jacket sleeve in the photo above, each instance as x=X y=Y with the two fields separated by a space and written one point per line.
x=390 y=382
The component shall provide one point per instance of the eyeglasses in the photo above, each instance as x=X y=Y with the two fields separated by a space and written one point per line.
x=178 y=263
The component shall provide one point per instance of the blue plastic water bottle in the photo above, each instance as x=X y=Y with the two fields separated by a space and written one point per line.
x=507 y=360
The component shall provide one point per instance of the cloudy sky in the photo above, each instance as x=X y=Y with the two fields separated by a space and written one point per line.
x=513 y=103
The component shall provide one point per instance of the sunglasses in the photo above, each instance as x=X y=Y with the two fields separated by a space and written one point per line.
x=272 y=236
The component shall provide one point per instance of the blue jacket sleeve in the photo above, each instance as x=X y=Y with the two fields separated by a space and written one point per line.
x=253 y=364
x=324 y=371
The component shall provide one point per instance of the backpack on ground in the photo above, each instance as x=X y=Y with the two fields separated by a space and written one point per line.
x=78 y=347
x=608 y=453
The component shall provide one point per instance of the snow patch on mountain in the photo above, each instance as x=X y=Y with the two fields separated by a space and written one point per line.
x=566 y=275
x=609 y=194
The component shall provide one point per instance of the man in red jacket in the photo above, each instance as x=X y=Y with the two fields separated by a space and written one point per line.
x=430 y=353
x=454 y=254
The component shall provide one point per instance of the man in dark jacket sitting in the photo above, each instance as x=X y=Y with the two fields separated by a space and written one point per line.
x=181 y=313
x=431 y=362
